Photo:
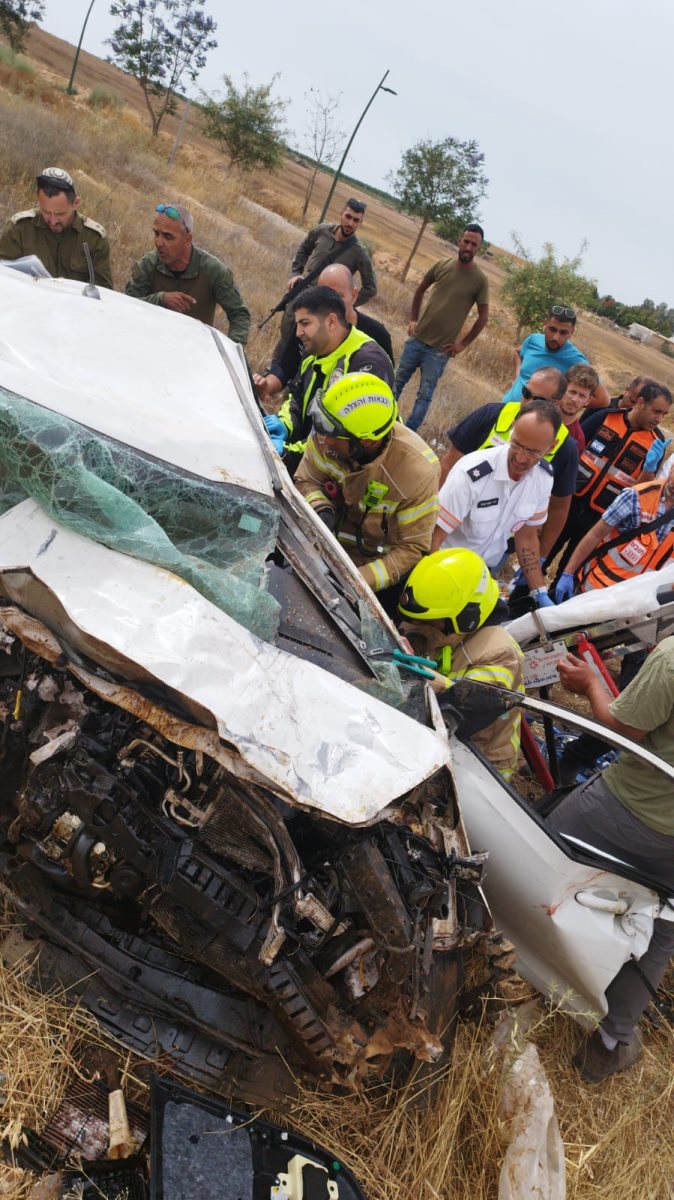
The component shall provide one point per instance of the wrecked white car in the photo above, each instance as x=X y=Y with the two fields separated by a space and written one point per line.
x=230 y=828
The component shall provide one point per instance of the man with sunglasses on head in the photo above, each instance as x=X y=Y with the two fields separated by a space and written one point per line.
x=56 y=232
x=492 y=425
x=494 y=494
x=552 y=348
x=184 y=278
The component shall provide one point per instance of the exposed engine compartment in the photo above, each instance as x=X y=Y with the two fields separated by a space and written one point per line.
x=289 y=942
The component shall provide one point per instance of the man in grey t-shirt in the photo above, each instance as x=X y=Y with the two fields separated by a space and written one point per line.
x=457 y=285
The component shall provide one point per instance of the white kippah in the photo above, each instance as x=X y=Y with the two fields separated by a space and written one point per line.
x=57 y=175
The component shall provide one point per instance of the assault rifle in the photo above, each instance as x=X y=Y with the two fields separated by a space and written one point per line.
x=307 y=280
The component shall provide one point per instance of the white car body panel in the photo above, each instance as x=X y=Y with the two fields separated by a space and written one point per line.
x=317 y=739
x=565 y=948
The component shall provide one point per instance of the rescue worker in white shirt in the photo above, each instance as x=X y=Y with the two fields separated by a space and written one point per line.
x=491 y=495
x=372 y=481
x=448 y=602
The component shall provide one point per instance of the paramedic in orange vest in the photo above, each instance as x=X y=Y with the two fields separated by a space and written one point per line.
x=617 y=444
x=632 y=512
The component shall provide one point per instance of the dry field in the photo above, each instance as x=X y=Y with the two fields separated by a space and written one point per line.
x=618 y=1137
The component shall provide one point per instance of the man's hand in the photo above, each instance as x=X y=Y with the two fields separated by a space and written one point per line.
x=453 y=348
x=412 y=329
x=576 y=675
x=277 y=432
x=293 y=280
x=178 y=301
x=267 y=386
x=656 y=454
x=541 y=598
x=565 y=587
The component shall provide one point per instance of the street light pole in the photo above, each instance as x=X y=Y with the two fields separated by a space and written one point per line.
x=379 y=88
x=70 y=89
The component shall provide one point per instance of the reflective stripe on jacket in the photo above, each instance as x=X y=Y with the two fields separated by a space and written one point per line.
x=503 y=427
x=642 y=553
x=613 y=459
x=386 y=509
x=314 y=373
x=489 y=656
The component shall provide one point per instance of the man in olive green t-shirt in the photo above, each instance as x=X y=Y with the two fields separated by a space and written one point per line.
x=628 y=811
x=458 y=284
x=183 y=277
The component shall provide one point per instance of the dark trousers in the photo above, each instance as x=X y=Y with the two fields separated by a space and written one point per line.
x=579 y=521
x=592 y=813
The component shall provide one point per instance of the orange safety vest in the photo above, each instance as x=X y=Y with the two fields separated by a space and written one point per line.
x=642 y=553
x=612 y=460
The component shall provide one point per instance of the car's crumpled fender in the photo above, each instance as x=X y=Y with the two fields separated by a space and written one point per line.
x=314 y=738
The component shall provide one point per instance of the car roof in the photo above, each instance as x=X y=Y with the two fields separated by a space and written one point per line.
x=161 y=382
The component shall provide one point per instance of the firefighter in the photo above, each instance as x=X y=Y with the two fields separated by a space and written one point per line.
x=372 y=481
x=449 y=599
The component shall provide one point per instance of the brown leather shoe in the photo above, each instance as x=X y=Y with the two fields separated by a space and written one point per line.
x=596 y=1063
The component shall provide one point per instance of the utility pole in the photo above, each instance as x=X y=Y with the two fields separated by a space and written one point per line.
x=379 y=88
x=181 y=130
x=70 y=88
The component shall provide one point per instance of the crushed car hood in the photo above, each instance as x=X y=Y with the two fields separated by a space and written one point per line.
x=316 y=739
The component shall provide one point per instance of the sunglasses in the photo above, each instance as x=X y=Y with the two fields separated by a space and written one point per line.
x=564 y=314
x=529 y=395
x=171 y=211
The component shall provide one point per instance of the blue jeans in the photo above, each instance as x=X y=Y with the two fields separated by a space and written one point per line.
x=431 y=363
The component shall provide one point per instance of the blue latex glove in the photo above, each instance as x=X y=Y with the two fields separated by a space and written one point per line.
x=655 y=455
x=518 y=579
x=277 y=431
x=541 y=598
x=565 y=588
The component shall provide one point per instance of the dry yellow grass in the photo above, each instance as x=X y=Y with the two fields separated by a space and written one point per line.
x=617 y=1138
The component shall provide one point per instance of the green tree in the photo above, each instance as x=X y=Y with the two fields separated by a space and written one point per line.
x=533 y=286
x=161 y=43
x=15 y=20
x=248 y=124
x=439 y=181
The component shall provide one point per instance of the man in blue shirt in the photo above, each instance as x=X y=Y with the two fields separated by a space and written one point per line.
x=552 y=348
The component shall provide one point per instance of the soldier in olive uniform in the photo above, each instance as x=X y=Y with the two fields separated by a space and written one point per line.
x=56 y=233
x=184 y=278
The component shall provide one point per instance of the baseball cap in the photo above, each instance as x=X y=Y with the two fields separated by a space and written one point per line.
x=56 y=177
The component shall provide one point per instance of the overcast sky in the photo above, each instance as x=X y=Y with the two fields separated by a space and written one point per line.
x=571 y=104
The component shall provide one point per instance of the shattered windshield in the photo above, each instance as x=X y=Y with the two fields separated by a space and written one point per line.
x=213 y=535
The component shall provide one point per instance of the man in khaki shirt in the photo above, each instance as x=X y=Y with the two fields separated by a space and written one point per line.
x=56 y=232
x=183 y=277
x=457 y=285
